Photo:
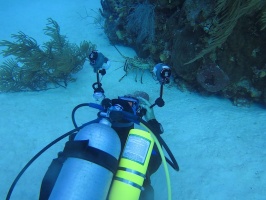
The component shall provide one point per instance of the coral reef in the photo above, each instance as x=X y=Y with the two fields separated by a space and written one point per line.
x=31 y=67
x=189 y=34
x=141 y=22
x=227 y=14
x=136 y=24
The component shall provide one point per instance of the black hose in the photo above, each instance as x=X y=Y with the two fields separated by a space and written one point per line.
x=37 y=156
x=47 y=147
x=74 y=111
x=172 y=162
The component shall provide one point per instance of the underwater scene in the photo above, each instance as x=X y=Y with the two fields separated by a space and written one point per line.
x=133 y=99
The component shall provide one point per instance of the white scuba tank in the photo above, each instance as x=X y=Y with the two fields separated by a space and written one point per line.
x=81 y=179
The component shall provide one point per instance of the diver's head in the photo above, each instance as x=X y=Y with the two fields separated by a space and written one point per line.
x=114 y=108
x=138 y=94
x=127 y=103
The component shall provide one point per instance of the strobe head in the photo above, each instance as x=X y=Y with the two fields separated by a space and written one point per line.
x=165 y=74
x=162 y=73
x=98 y=61
x=93 y=57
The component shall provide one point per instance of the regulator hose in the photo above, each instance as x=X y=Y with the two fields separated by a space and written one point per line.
x=37 y=156
x=92 y=105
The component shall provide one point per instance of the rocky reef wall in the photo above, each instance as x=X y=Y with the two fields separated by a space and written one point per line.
x=214 y=47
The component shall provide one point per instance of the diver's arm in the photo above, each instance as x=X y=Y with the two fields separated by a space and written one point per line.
x=156 y=127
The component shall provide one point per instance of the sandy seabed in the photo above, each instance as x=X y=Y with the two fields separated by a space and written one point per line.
x=220 y=148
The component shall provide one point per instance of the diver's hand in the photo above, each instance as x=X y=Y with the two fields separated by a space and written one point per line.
x=146 y=104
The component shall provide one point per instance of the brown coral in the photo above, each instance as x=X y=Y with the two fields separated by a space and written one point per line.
x=212 y=78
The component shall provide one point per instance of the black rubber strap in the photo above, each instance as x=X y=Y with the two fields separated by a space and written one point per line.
x=80 y=149
x=129 y=183
x=132 y=171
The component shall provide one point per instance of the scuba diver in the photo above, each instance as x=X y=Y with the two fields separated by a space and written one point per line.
x=100 y=63
x=122 y=127
x=108 y=158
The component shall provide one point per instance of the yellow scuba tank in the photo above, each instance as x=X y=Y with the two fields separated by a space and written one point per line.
x=128 y=181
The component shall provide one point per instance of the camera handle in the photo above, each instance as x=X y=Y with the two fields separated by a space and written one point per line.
x=97 y=86
x=159 y=101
